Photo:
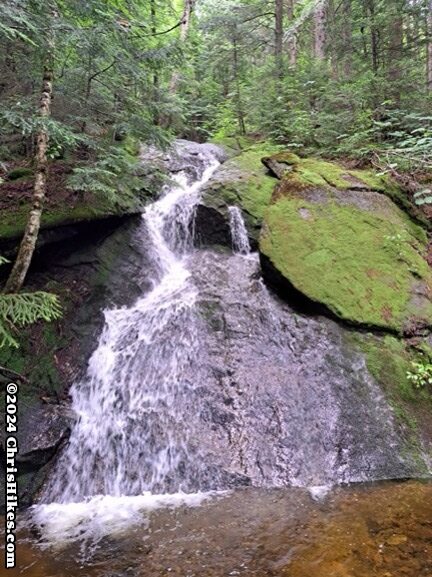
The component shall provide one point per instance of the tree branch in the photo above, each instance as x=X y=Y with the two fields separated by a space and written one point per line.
x=93 y=76
x=17 y=376
x=157 y=33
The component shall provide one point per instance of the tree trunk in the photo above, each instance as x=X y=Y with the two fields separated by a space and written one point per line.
x=347 y=38
x=87 y=94
x=374 y=36
x=239 y=102
x=156 y=117
x=184 y=29
x=429 y=48
x=320 y=31
x=153 y=30
x=278 y=33
x=28 y=243
x=292 y=40
x=396 y=49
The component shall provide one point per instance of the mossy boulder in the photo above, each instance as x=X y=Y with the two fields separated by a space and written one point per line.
x=281 y=163
x=337 y=238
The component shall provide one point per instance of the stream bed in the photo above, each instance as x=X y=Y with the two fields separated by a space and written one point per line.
x=366 y=530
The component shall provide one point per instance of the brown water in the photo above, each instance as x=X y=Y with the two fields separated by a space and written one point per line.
x=380 y=530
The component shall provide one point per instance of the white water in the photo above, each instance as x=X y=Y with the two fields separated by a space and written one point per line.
x=129 y=444
x=239 y=235
x=105 y=515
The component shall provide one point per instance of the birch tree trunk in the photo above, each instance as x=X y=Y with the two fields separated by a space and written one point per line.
x=28 y=243
x=292 y=40
x=184 y=30
x=320 y=31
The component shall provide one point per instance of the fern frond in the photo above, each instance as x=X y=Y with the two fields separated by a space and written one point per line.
x=27 y=308
x=6 y=338
x=19 y=310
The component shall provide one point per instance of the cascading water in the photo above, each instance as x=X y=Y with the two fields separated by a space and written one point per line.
x=239 y=234
x=209 y=382
x=132 y=427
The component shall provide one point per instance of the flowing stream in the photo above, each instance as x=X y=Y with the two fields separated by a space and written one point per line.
x=209 y=383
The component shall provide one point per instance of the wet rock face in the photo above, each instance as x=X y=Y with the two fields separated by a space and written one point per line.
x=283 y=398
x=102 y=269
x=212 y=226
x=44 y=430
x=278 y=399
x=184 y=155
x=241 y=181
x=104 y=264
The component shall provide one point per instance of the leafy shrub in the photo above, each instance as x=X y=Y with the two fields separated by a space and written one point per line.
x=421 y=374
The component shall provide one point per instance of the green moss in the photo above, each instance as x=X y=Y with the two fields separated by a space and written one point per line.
x=321 y=173
x=317 y=172
x=255 y=197
x=254 y=187
x=343 y=257
x=374 y=182
x=388 y=360
x=13 y=221
x=244 y=181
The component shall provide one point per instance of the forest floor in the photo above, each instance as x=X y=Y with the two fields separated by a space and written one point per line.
x=15 y=193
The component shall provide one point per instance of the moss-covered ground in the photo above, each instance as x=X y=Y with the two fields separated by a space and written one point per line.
x=64 y=206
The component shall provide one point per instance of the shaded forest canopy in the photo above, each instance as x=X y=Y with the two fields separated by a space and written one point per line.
x=339 y=76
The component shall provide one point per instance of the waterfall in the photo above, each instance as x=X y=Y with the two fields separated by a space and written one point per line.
x=132 y=428
x=207 y=383
x=239 y=235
